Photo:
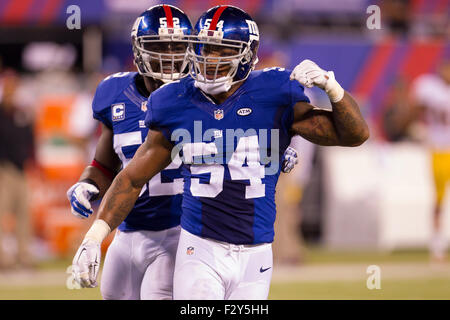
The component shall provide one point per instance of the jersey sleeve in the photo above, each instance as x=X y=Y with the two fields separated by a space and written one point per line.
x=104 y=97
x=293 y=92
x=150 y=120
x=154 y=117
x=297 y=92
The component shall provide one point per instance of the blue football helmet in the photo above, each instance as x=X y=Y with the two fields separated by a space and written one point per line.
x=224 y=47
x=159 y=42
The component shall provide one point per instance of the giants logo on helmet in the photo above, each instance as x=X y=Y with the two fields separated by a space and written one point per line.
x=253 y=30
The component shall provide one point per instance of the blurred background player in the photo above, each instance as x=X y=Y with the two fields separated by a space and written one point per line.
x=140 y=260
x=431 y=95
x=16 y=153
x=225 y=250
x=82 y=127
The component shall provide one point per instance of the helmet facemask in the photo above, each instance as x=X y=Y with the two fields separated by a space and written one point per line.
x=215 y=60
x=162 y=56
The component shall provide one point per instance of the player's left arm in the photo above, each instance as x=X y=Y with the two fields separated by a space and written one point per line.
x=344 y=125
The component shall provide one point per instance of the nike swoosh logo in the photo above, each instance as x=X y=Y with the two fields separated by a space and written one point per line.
x=264 y=270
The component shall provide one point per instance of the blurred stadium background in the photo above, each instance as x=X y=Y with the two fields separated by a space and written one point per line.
x=342 y=209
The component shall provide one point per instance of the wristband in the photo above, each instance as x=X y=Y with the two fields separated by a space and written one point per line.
x=98 y=231
x=107 y=172
x=333 y=89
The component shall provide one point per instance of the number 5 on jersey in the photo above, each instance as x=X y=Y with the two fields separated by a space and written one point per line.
x=122 y=144
x=247 y=152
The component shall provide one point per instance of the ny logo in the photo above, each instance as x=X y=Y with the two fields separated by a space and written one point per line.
x=253 y=30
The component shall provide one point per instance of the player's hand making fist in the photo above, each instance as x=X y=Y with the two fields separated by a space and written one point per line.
x=309 y=74
x=290 y=159
x=79 y=196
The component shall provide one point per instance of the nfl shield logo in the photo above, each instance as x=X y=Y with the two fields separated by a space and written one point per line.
x=190 y=251
x=218 y=114
x=144 y=106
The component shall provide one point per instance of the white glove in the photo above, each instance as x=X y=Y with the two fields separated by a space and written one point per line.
x=86 y=263
x=310 y=74
x=79 y=195
x=290 y=159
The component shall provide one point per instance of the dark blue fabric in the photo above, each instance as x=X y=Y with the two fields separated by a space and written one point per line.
x=150 y=212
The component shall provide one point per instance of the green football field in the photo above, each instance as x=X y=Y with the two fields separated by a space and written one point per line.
x=323 y=275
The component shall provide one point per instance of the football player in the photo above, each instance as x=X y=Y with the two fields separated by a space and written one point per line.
x=139 y=262
x=231 y=125
x=431 y=94
x=149 y=235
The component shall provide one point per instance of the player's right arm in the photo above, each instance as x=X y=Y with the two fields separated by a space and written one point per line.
x=151 y=157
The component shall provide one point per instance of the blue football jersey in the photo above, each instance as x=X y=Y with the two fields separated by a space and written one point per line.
x=119 y=105
x=231 y=152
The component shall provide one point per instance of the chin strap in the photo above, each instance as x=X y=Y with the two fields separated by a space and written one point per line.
x=213 y=87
